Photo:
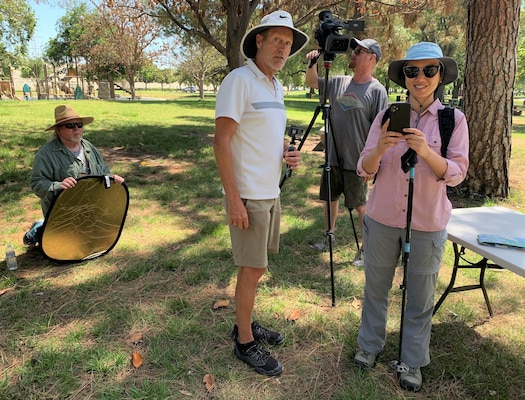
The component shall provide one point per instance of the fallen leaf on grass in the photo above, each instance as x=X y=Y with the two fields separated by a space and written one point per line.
x=221 y=304
x=186 y=393
x=209 y=381
x=136 y=359
x=293 y=315
x=356 y=303
x=135 y=338
x=5 y=290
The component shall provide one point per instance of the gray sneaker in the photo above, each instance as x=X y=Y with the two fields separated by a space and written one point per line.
x=323 y=244
x=411 y=380
x=359 y=260
x=365 y=360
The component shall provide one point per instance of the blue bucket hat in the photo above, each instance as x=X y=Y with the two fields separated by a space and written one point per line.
x=424 y=51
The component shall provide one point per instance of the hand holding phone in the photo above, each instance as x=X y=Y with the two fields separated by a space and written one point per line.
x=399 y=117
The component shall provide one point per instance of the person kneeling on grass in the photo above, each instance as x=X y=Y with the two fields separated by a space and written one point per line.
x=60 y=161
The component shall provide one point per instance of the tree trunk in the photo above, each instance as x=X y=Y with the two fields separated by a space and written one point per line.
x=12 y=83
x=238 y=14
x=131 y=81
x=111 y=81
x=492 y=31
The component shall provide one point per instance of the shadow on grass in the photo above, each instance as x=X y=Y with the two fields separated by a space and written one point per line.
x=474 y=364
x=67 y=327
x=465 y=365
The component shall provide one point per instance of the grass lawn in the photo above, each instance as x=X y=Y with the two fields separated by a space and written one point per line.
x=69 y=330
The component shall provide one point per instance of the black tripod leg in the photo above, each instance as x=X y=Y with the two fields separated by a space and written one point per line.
x=312 y=122
x=303 y=139
x=327 y=172
x=340 y=163
x=353 y=228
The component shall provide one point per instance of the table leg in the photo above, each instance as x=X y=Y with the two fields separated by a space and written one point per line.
x=482 y=265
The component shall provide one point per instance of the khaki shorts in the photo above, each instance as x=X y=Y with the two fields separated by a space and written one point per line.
x=251 y=247
x=354 y=187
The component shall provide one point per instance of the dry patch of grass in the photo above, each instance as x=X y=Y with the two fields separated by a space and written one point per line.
x=67 y=329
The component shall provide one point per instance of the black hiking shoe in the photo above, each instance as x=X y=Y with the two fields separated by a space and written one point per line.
x=258 y=358
x=261 y=334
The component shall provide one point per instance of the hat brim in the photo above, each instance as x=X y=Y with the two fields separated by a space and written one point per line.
x=450 y=74
x=249 y=45
x=354 y=42
x=85 y=121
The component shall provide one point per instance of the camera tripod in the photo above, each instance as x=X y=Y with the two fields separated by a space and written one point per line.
x=325 y=109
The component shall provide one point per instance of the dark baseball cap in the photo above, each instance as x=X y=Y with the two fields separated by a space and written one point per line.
x=369 y=44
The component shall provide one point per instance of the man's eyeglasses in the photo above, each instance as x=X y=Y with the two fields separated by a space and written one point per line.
x=360 y=50
x=71 y=125
x=429 y=71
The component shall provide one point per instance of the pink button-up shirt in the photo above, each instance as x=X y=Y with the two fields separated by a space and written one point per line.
x=431 y=207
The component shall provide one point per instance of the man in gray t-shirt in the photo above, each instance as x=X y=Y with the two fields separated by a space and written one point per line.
x=355 y=102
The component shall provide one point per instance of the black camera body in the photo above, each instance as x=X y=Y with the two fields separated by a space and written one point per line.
x=328 y=35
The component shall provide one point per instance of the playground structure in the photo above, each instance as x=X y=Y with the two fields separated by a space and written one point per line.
x=7 y=89
x=64 y=83
x=71 y=83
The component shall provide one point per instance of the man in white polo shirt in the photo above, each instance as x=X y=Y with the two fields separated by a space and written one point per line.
x=250 y=122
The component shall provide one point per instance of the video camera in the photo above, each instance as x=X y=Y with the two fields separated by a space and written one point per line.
x=328 y=36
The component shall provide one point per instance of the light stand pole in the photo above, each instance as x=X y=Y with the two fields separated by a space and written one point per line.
x=408 y=164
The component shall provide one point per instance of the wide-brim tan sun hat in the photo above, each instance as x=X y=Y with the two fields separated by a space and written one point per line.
x=423 y=51
x=273 y=20
x=65 y=113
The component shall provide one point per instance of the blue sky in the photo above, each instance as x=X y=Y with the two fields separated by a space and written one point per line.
x=47 y=16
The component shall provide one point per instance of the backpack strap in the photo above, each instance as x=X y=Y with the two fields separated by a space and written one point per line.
x=446 y=127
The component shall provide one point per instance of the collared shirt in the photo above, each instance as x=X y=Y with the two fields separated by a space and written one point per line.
x=54 y=162
x=248 y=97
x=388 y=199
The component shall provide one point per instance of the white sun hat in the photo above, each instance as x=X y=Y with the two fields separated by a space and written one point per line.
x=273 y=20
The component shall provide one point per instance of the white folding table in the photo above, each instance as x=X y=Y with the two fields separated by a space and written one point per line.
x=463 y=228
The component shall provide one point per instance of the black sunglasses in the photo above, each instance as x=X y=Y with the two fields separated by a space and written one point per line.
x=430 y=71
x=71 y=125
x=360 y=50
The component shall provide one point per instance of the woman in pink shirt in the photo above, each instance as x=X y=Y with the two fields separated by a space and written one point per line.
x=422 y=72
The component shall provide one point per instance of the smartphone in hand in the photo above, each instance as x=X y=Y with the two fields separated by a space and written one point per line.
x=399 y=117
